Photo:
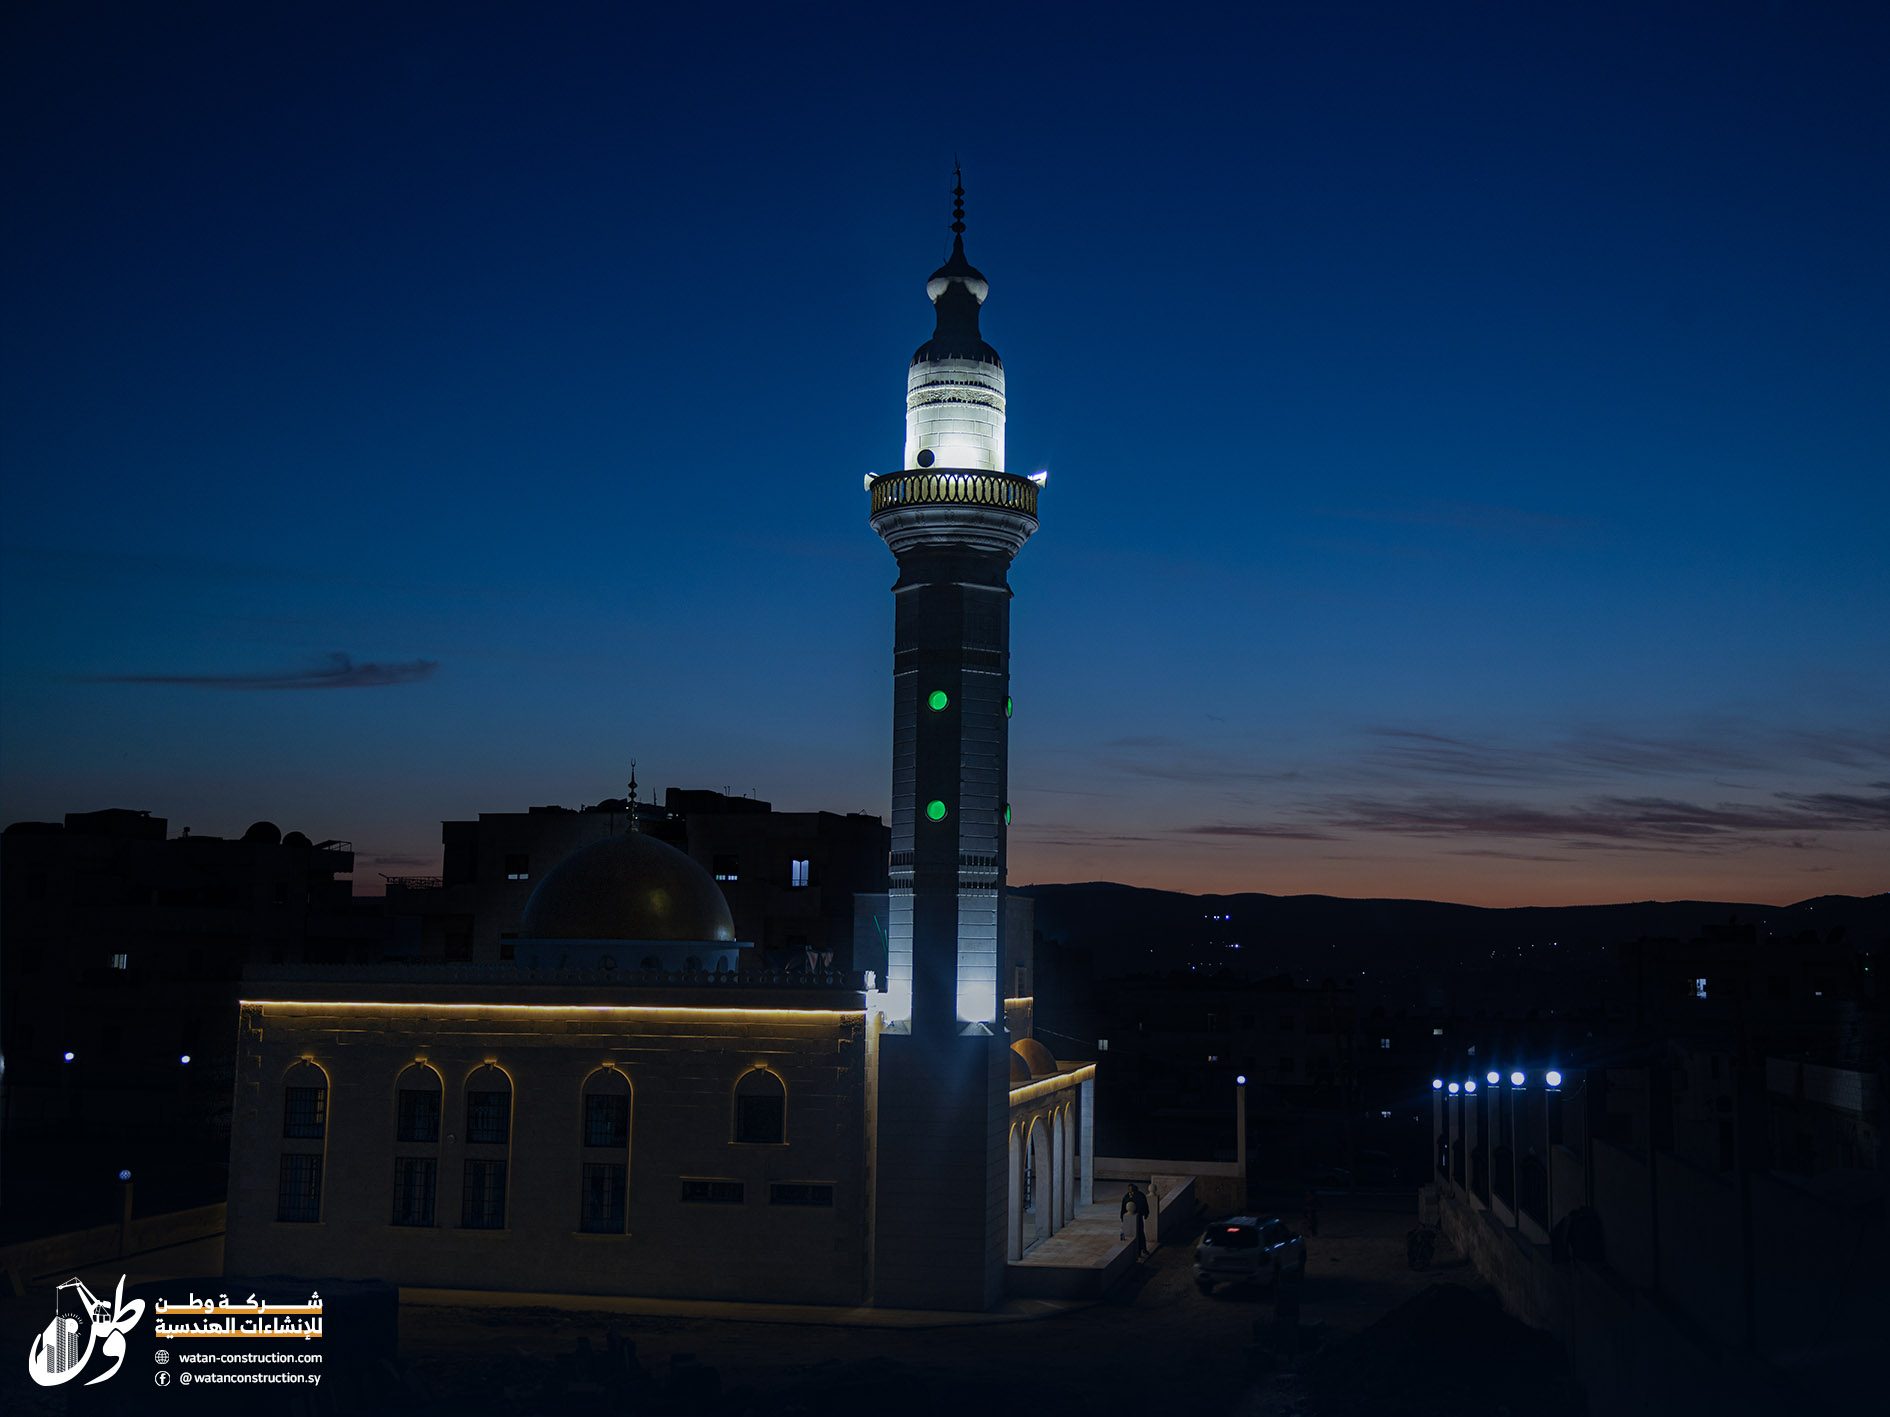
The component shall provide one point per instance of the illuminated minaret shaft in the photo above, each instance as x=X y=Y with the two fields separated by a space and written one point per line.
x=954 y=519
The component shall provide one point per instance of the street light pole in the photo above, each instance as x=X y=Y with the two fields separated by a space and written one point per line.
x=1240 y=1132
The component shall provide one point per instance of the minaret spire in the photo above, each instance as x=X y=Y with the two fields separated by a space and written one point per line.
x=958 y=204
x=631 y=809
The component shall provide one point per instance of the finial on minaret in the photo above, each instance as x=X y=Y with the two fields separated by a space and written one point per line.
x=958 y=199
x=632 y=809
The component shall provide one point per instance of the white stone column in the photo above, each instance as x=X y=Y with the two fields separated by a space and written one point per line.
x=1016 y=1173
x=1070 y=1159
x=1057 y=1165
x=1086 y=1191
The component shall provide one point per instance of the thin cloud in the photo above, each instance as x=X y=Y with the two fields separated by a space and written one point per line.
x=1264 y=830
x=338 y=671
x=1641 y=822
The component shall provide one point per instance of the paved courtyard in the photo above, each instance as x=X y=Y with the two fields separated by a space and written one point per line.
x=1154 y=1343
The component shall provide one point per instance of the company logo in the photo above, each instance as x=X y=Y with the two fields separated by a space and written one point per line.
x=81 y=1321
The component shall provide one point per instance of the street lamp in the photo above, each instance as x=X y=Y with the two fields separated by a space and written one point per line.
x=184 y=1059
x=1470 y=1086
x=1515 y=1079
x=1437 y=1084
x=1492 y=1077
x=1553 y=1078
x=1454 y=1089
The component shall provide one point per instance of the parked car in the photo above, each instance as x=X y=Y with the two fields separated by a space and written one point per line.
x=1247 y=1248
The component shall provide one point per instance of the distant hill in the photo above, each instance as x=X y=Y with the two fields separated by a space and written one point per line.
x=1124 y=927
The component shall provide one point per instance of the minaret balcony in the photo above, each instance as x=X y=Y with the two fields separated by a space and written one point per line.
x=955 y=487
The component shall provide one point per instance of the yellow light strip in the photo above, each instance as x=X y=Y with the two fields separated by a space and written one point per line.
x=1020 y=1003
x=1042 y=1087
x=655 y=1010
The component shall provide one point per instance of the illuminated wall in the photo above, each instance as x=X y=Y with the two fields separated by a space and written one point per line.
x=955 y=411
x=708 y=1216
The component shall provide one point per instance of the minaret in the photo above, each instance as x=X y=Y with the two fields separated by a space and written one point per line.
x=954 y=519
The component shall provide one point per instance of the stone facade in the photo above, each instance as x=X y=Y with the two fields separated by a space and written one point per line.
x=705 y=1215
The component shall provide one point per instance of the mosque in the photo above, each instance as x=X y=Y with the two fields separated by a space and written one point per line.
x=627 y=1107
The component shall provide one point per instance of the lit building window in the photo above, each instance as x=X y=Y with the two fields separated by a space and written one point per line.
x=799 y=872
x=482 y=1205
x=727 y=868
x=760 y=1109
x=1699 y=988
x=121 y=961
x=299 y=1188
x=1384 y=1043
x=518 y=867
x=1437 y=1033
x=416 y=1182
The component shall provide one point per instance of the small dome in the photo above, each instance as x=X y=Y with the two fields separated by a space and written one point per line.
x=629 y=887
x=1036 y=1057
x=957 y=268
x=263 y=834
x=296 y=839
x=1020 y=1070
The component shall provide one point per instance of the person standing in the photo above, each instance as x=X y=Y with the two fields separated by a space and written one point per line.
x=1136 y=1204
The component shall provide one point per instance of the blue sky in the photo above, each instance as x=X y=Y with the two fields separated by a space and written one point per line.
x=1469 y=451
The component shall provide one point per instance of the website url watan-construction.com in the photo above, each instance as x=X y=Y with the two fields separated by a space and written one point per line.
x=282 y=1358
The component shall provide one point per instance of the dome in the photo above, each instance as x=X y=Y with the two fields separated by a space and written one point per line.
x=957 y=268
x=1020 y=1070
x=629 y=887
x=1036 y=1057
x=263 y=834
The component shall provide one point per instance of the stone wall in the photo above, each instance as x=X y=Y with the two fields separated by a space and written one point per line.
x=683 y=1065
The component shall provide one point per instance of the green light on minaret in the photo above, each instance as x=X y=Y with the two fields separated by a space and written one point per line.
x=935 y=809
x=1007 y=705
x=1007 y=814
x=937 y=700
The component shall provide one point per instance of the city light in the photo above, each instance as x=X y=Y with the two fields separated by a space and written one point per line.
x=1492 y=1077
x=1553 y=1078
x=124 y=1175
x=1437 y=1084
x=1515 y=1079
x=1470 y=1086
x=70 y=1055
x=1454 y=1089
x=1241 y=1081
x=184 y=1058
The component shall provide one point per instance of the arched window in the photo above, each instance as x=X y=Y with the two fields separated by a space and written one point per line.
x=488 y=1133
x=304 y=1136
x=605 y=1176
x=416 y=1145
x=761 y=1109
x=418 y=1119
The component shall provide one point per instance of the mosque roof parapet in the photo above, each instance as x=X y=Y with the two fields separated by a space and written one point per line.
x=490 y=983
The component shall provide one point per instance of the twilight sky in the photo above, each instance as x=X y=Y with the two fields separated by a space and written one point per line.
x=1468 y=425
